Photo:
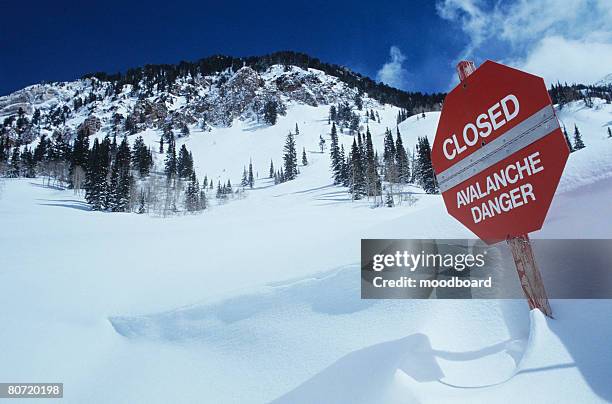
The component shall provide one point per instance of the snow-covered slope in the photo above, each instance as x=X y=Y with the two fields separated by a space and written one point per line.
x=258 y=299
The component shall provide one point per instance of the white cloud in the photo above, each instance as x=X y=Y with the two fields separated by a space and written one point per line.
x=393 y=72
x=566 y=41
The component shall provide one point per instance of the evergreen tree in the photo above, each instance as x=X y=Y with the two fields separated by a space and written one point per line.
x=119 y=188
x=578 y=143
x=161 y=144
x=281 y=176
x=97 y=170
x=15 y=165
x=245 y=178
x=171 y=163
x=304 y=158
x=333 y=117
x=270 y=112
x=80 y=151
x=334 y=151
x=113 y=196
x=184 y=163
x=272 y=173
x=389 y=154
x=28 y=163
x=358 y=181
x=251 y=179
x=192 y=195
x=297 y=130
x=358 y=101
x=142 y=160
x=609 y=132
x=345 y=168
x=3 y=151
x=40 y=151
x=290 y=158
x=567 y=140
x=401 y=160
x=372 y=178
x=426 y=176
x=220 y=193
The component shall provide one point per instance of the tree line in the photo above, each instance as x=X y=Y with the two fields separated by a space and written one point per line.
x=362 y=171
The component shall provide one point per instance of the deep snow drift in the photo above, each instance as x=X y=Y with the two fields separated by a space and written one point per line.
x=258 y=299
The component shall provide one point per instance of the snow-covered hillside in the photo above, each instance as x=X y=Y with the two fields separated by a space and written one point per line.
x=258 y=299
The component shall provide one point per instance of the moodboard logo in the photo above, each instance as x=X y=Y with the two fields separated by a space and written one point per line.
x=471 y=269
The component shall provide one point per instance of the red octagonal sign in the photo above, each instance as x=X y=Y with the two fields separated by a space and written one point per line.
x=499 y=152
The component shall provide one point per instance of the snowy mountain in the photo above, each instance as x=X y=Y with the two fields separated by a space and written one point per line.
x=212 y=92
x=258 y=299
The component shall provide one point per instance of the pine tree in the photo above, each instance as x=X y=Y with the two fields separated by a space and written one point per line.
x=113 y=196
x=358 y=185
x=80 y=151
x=220 y=193
x=28 y=163
x=567 y=140
x=609 y=132
x=161 y=144
x=347 y=169
x=184 y=163
x=578 y=143
x=333 y=117
x=171 y=163
x=192 y=195
x=15 y=165
x=426 y=175
x=372 y=178
x=401 y=160
x=94 y=177
x=389 y=154
x=142 y=159
x=297 y=130
x=41 y=149
x=251 y=179
x=270 y=112
x=271 y=175
x=119 y=189
x=281 y=176
x=334 y=151
x=245 y=179
x=304 y=158
x=290 y=158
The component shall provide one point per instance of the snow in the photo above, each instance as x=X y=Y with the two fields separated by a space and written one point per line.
x=258 y=299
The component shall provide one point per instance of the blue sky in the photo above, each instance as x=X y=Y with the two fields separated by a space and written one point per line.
x=409 y=44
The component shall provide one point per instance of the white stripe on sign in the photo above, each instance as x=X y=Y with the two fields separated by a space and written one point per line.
x=522 y=135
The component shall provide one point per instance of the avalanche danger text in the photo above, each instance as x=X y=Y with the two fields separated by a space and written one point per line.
x=478 y=192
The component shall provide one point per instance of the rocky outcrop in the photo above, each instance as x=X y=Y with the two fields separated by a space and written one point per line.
x=90 y=125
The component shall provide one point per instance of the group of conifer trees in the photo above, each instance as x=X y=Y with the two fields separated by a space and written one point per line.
x=178 y=169
x=50 y=157
x=578 y=142
x=289 y=170
x=109 y=171
x=358 y=169
x=362 y=171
